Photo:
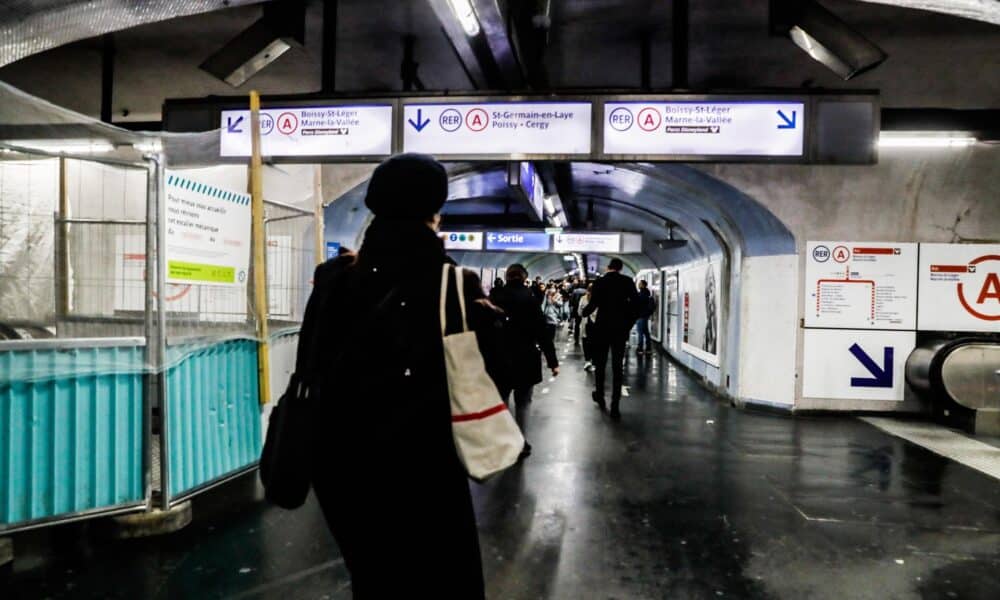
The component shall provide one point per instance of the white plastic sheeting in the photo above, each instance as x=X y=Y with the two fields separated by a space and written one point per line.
x=979 y=10
x=31 y=26
x=29 y=194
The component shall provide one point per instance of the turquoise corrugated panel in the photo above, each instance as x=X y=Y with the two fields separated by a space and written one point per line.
x=213 y=413
x=70 y=441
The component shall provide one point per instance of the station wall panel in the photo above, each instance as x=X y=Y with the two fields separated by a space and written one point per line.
x=71 y=436
x=213 y=413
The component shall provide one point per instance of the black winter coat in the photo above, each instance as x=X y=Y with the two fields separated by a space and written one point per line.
x=386 y=473
x=616 y=300
x=524 y=333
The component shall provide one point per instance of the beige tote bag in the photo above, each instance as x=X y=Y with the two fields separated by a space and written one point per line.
x=487 y=438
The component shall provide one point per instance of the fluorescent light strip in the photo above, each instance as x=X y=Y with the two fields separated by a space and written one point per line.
x=466 y=15
x=924 y=140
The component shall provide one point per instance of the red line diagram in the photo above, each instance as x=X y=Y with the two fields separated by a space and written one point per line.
x=847 y=279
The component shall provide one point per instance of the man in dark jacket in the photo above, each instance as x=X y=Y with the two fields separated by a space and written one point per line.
x=383 y=415
x=524 y=332
x=647 y=306
x=615 y=299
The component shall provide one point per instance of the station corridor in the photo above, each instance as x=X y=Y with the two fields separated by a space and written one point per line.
x=686 y=497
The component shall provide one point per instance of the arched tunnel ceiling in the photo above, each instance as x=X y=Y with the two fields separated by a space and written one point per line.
x=641 y=198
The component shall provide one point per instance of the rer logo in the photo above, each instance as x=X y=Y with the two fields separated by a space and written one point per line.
x=986 y=295
x=450 y=120
x=821 y=254
x=621 y=119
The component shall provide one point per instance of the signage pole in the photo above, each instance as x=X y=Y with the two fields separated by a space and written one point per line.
x=259 y=264
x=319 y=223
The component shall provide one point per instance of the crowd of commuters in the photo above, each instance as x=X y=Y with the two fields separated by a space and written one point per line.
x=380 y=391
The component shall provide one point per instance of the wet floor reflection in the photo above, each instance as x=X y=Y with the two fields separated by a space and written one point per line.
x=686 y=497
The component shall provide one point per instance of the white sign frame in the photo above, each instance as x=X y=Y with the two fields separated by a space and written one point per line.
x=829 y=365
x=332 y=125
x=524 y=143
x=842 y=277
x=949 y=298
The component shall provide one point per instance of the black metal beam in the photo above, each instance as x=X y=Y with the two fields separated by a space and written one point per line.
x=107 y=75
x=329 y=45
x=408 y=68
x=680 y=45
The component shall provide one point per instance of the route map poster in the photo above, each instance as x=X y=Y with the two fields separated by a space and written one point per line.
x=861 y=285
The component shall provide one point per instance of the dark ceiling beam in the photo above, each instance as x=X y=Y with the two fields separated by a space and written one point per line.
x=329 y=61
x=107 y=75
x=487 y=57
x=530 y=23
x=681 y=45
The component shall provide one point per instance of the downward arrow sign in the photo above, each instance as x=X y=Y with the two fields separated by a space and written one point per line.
x=882 y=375
x=421 y=123
x=789 y=123
x=233 y=126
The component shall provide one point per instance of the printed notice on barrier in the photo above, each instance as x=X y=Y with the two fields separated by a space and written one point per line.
x=861 y=285
x=208 y=233
x=311 y=131
x=960 y=287
x=492 y=128
x=704 y=128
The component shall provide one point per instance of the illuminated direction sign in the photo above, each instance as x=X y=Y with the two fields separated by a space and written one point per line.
x=517 y=241
x=960 y=287
x=490 y=128
x=587 y=242
x=311 y=131
x=704 y=128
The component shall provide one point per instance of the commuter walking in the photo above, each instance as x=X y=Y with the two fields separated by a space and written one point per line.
x=576 y=295
x=552 y=308
x=586 y=337
x=646 y=308
x=383 y=418
x=615 y=298
x=524 y=339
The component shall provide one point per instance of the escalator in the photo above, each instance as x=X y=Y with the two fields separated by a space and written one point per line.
x=960 y=378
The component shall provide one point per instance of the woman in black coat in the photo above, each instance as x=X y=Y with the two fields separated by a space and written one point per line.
x=386 y=472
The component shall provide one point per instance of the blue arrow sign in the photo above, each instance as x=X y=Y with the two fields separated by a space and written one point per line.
x=421 y=123
x=233 y=126
x=789 y=123
x=882 y=375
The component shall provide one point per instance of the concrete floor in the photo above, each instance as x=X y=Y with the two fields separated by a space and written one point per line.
x=684 y=498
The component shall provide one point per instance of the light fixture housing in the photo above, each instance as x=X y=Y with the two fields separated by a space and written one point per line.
x=824 y=37
x=466 y=16
x=925 y=139
x=65 y=146
x=280 y=28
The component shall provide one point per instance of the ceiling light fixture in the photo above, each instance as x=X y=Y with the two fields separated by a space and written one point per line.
x=925 y=139
x=68 y=146
x=466 y=15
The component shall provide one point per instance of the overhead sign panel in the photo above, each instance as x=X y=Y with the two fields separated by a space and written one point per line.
x=608 y=243
x=960 y=287
x=704 y=128
x=855 y=365
x=861 y=285
x=517 y=241
x=363 y=130
x=497 y=128
x=462 y=240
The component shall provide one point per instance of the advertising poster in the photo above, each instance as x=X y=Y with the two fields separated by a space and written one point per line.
x=208 y=233
x=700 y=290
x=671 y=310
x=960 y=287
x=861 y=285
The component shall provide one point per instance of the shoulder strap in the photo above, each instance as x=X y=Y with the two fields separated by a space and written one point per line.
x=460 y=287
